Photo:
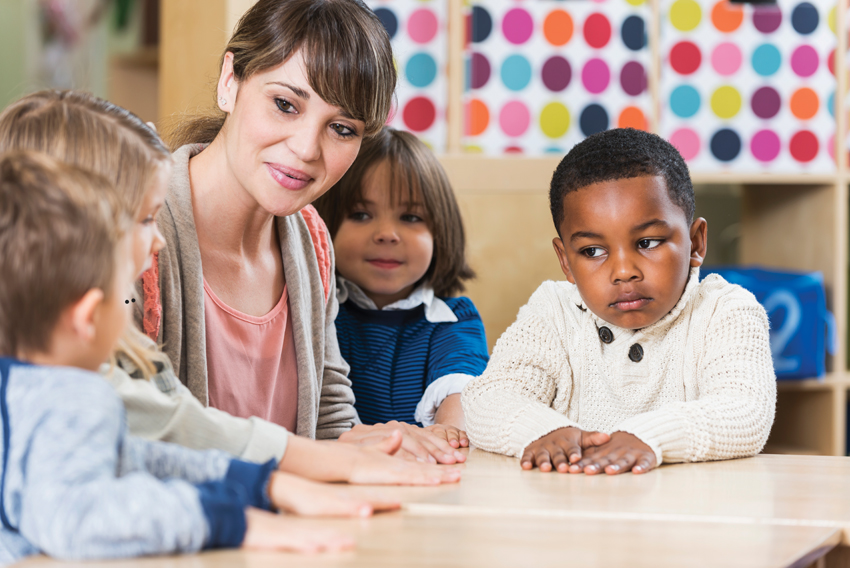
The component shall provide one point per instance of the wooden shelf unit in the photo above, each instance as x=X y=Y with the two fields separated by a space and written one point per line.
x=793 y=221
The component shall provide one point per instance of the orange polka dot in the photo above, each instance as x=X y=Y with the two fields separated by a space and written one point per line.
x=804 y=103
x=632 y=117
x=558 y=27
x=477 y=118
x=727 y=17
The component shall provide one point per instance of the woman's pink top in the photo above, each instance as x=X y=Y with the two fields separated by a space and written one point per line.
x=251 y=361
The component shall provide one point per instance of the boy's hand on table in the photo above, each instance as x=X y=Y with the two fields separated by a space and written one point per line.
x=558 y=449
x=267 y=531
x=417 y=443
x=624 y=452
x=299 y=496
x=456 y=437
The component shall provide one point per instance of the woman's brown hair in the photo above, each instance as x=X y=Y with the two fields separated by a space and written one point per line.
x=347 y=56
x=85 y=131
x=417 y=175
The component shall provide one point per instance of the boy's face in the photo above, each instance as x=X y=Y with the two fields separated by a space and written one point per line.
x=628 y=248
x=113 y=314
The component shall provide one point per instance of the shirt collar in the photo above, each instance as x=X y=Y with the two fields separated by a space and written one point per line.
x=436 y=310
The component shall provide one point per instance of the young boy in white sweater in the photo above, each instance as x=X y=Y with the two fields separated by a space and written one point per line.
x=632 y=362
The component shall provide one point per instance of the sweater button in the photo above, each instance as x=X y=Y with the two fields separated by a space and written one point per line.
x=636 y=353
x=605 y=335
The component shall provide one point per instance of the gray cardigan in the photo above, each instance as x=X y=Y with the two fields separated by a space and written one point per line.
x=325 y=398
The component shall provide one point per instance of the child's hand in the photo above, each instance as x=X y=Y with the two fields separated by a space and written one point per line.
x=456 y=437
x=560 y=448
x=417 y=443
x=624 y=452
x=300 y=496
x=267 y=531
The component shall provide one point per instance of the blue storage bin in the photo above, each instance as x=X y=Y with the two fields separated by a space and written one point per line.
x=801 y=328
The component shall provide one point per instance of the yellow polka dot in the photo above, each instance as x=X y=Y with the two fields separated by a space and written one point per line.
x=555 y=120
x=685 y=15
x=636 y=2
x=831 y=19
x=726 y=102
x=473 y=149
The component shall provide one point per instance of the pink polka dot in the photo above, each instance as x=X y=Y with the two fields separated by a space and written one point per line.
x=517 y=26
x=422 y=26
x=765 y=145
x=804 y=61
x=686 y=142
x=726 y=58
x=595 y=76
x=514 y=118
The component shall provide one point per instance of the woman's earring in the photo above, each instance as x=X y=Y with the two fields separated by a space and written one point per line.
x=222 y=101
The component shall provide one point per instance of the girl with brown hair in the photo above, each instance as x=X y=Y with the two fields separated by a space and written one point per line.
x=399 y=240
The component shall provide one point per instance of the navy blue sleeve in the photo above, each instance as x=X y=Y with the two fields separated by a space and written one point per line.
x=254 y=478
x=224 y=502
x=459 y=347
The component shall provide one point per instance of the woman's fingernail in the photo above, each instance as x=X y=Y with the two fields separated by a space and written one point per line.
x=615 y=467
x=365 y=511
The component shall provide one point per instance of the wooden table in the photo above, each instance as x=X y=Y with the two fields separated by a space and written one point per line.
x=763 y=511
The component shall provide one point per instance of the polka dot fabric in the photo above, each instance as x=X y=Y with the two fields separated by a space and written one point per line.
x=747 y=88
x=544 y=74
x=418 y=30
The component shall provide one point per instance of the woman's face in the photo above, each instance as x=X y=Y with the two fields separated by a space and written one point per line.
x=284 y=144
x=147 y=240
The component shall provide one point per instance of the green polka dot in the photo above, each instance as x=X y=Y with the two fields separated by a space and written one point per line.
x=685 y=15
x=554 y=120
x=726 y=102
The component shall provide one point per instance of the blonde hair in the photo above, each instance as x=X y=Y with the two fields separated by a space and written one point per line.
x=347 y=57
x=91 y=133
x=415 y=173
x=58 y=240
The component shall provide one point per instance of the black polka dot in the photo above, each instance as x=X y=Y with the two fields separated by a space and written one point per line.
x=805 y=18
x=481 y=24
x=725 y=145
x=593 y=119
x=389 y=20
x=633 y=33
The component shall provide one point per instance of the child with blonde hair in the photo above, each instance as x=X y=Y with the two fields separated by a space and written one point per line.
x=400 y=248
x=74 y=484
x=89 y=132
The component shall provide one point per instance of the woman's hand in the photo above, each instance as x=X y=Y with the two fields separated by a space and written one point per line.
x=372 y=462
x=417 y=443
x=299 y=496
x=267 y=531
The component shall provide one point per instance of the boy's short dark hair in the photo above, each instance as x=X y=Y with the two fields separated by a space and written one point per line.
x=416 y=174
x=59 y=226
x=621 y=153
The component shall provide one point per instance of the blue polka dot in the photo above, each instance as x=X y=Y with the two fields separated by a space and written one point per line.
x=805 y=18
x=554 y=150
x=633 y=33
x=516 y=72
x=830 y=104
x=388 y=18
x=725 y=145
x=421 y=70
x=594 y=118
x=766 y=60
x=482 y=24
x=684 y=101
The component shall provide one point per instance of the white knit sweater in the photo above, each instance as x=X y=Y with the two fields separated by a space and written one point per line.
x=704 y=390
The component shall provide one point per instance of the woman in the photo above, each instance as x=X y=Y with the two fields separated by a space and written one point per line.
x=247 y=290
